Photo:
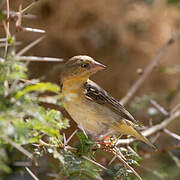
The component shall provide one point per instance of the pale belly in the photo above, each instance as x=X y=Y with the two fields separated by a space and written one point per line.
x=93 y=117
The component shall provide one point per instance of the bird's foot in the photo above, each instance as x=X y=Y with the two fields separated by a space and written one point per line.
x=107 y=141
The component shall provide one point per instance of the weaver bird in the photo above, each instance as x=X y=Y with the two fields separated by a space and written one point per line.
x=90 y=106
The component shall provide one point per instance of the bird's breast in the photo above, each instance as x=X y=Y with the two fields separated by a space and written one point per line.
x=93 y=117
x=84 y=115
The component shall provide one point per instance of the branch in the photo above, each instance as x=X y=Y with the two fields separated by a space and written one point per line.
x=18 y=147
x=7 y=28
x=127 y=165
x=31 y=29
x=175 y=108
x=175 y=159
x=172 y=134
x=43 y=59
x=159 y=108
x=29 y=46
x=164 y=150
x=153 y=129
x=2 y=39
x=31 y=173
x=14 y=14
x=149 y=69
x=7 y=44
x=29 y=6
x=94 y=162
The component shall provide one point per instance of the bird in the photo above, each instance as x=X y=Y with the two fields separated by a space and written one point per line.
x=95 y=111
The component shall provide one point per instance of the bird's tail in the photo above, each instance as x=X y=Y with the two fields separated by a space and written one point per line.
x=128 y=128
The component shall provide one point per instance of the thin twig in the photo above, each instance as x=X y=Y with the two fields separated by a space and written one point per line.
x=31 y=173
x=54 y=175
x=46 y=144
x=42 y=59
x=134 y=152
x=127 y=165
x=155 y=137
x=28 y=7
x=80 y=126
x=54 y=146
x=64 y=138
x=33 y=58
x=18 y=147
x=159 y=108
x=14 y=14
x=94 y=162
x=22 y=163
x=6 y=87
x=114 y=157
x=28 y=29
x=7 y=44
x=29 y=46
x=71 y=137
x=19 y=17
x=2 y=39
x=149 y=69
x=153 y=129
x=175 y=159
x=172 y=134
x=150 y=122
x=162 y=125
x=155 y=173
x=34 y=81
x=175 y=108
x=164 y=150
x=7 y=28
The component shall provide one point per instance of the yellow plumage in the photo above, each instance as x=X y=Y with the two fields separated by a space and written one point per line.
x=90 y=106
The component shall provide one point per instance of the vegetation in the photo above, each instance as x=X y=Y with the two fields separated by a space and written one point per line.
x=33 y=141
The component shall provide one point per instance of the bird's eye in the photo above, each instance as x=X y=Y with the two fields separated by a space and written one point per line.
x=85 y=65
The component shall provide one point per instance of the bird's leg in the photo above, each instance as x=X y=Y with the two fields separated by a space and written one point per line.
x=110 y=140
x=104 y=138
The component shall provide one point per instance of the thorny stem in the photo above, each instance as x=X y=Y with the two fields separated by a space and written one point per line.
x=18 y=147
x=148 y=69
x=7 y=28
x=153 y=129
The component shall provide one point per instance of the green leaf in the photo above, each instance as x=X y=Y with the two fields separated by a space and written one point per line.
x=85 y=144
x=40 y=87
x=77 y=168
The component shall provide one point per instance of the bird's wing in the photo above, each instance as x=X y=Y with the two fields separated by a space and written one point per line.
x=97 y=94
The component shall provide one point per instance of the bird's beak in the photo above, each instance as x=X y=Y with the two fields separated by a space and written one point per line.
x=98 y=67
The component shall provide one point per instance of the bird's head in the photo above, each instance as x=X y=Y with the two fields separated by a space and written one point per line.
x=81 y=67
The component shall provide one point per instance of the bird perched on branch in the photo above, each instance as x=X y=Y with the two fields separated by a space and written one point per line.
x=90 y=106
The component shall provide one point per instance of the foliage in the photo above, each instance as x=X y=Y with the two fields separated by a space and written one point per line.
x=27 y=126
x=37 y=129
x=22 y=118
x=85 y=144
x=26 y=122
x=77 y=168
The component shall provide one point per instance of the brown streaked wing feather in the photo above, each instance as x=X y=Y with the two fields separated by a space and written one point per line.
x=96 y=93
